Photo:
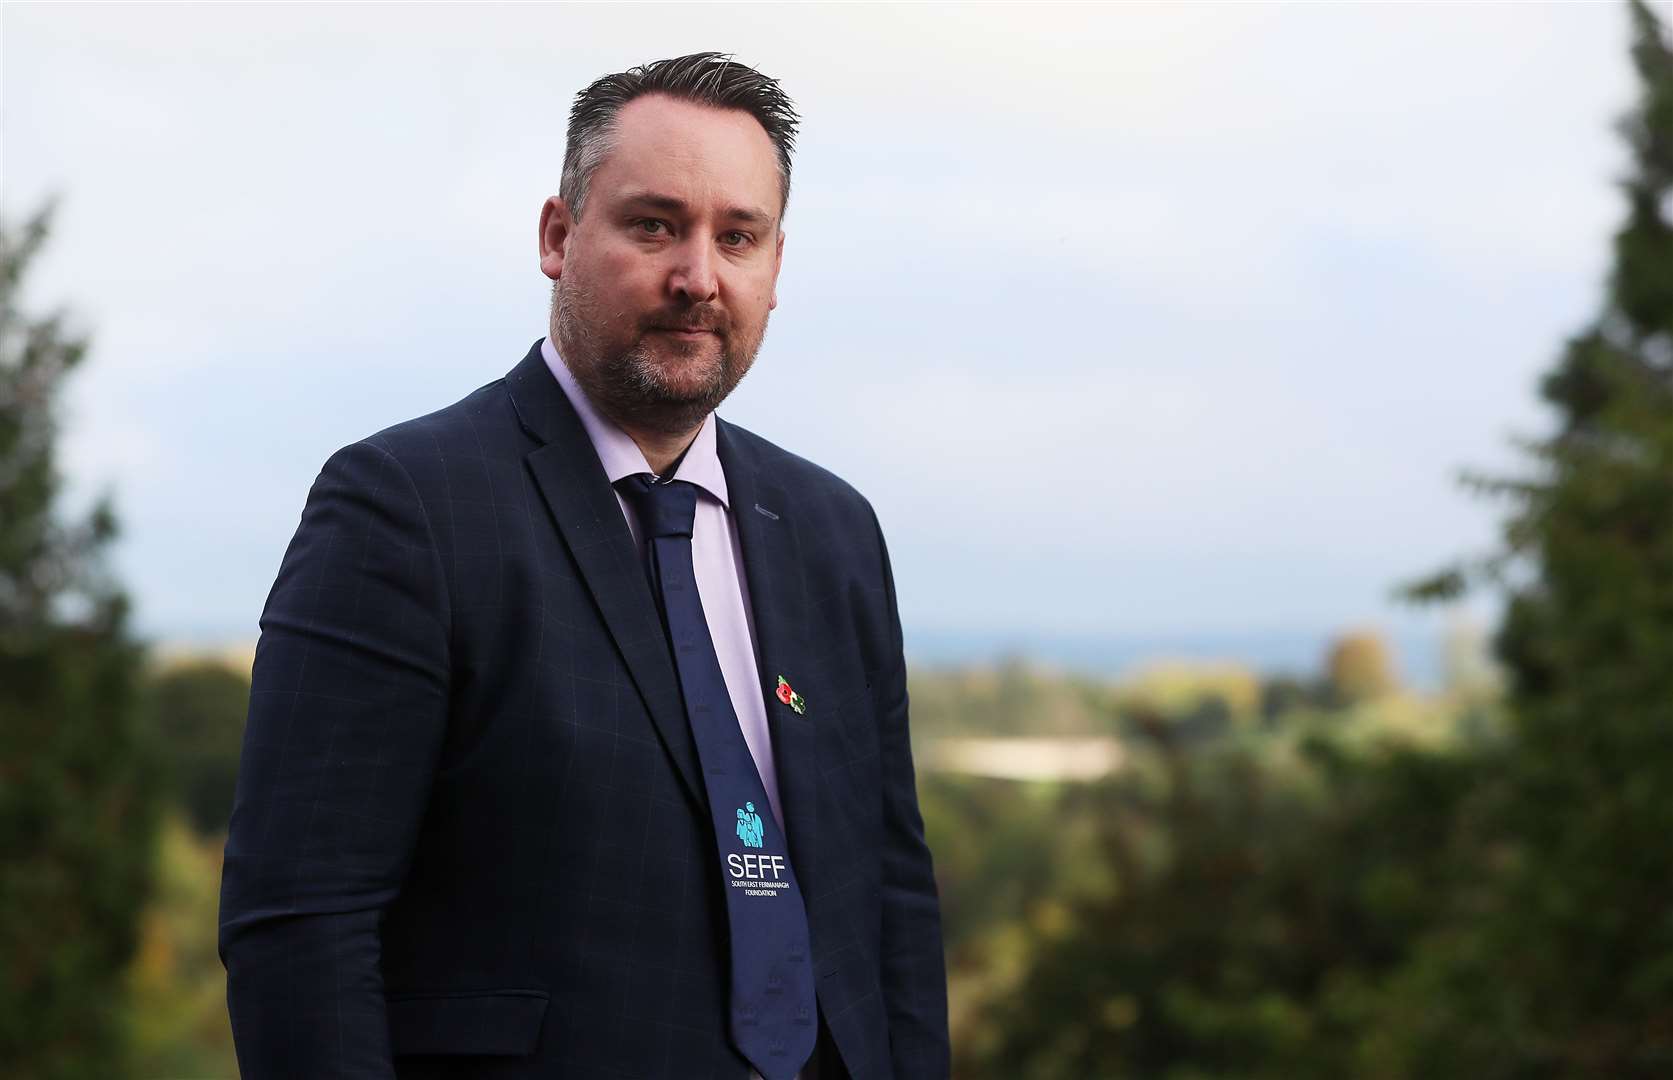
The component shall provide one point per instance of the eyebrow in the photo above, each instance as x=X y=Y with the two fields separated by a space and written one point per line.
x=671 y=204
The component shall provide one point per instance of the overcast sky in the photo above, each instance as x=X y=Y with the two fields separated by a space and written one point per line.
x=1128 y=319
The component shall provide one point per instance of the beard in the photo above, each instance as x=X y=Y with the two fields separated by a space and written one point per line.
x=643 y=379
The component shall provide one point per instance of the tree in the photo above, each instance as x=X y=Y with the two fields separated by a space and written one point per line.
x=78 y=808
x=1572 y=971
x=1258 y=901
x=197 y=710
x=1360 y=667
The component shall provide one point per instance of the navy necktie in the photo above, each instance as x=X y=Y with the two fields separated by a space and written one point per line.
x=773 y=1010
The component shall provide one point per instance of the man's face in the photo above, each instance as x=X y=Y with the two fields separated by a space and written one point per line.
x=665 y=283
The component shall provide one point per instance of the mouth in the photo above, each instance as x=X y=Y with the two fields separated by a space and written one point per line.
x=683 y=333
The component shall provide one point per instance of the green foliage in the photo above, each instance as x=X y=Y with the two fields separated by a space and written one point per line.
x=1569 y=970
x=177 y=986
x=77 y=778
x=1238 y=912
x=197 y=710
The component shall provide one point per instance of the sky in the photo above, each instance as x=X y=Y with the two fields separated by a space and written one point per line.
x=1146 y=321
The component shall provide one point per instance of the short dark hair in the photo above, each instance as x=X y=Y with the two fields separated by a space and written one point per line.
x=706 y=78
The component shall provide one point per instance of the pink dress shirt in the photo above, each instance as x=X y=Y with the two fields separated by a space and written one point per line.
x=714 y=549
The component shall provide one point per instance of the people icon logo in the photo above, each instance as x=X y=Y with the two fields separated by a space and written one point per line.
x=750 y=829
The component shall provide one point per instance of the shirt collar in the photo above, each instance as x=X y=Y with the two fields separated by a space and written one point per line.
x=618 y=452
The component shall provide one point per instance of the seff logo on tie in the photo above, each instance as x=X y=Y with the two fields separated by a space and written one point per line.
x=750 y=829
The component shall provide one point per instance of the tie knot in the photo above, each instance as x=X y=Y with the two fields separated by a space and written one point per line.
x=665 y=509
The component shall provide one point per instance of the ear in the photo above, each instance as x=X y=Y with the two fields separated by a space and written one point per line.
x=557 y=225
x=778 y=264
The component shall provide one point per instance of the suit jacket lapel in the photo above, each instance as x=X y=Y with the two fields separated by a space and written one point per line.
x=773 y=566
x=572 y=481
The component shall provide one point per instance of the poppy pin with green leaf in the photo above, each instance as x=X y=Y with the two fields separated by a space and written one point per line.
x=790 y=697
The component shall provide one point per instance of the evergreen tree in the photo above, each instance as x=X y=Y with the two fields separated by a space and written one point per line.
x=1569 y=970
x=78 y=807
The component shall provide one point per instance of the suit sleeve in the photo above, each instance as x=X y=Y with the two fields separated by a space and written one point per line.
x=914 y=972
x=348 y=704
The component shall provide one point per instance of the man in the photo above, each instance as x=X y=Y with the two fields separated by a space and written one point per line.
x=577 y=743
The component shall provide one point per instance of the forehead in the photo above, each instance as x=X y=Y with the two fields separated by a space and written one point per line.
x=698 y=154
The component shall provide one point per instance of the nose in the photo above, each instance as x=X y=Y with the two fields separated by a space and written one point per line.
x=693 y=278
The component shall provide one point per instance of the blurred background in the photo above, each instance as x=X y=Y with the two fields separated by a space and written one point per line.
x=1269 y=408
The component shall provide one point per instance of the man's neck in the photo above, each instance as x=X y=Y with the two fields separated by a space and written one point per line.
x=663 y=453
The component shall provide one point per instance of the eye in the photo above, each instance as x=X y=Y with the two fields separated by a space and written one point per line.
x=652 y=226
x=736 y=238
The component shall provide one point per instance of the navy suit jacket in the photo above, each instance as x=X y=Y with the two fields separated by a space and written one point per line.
x=471 y=837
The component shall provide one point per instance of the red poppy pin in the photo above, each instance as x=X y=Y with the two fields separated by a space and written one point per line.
x=789 y=696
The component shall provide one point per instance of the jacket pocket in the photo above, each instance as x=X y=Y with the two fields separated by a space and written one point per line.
x=466 y=1022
